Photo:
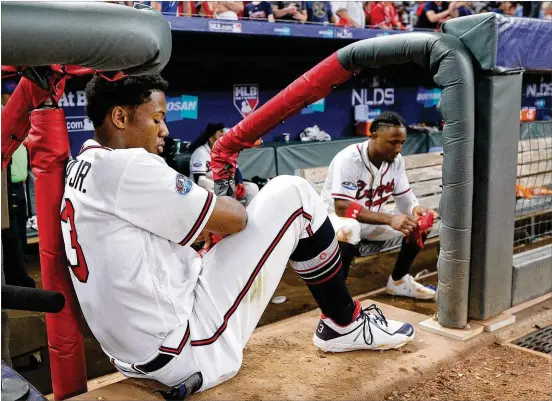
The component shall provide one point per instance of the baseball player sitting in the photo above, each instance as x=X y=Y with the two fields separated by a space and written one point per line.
x=200 y=170
x=361 y=178
x=157 y=308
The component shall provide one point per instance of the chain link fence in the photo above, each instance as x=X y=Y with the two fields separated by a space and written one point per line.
x=533 y=226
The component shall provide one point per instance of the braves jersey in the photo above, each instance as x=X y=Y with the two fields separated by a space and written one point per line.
x=128 y=221
x=200 y=162
x=351 y=176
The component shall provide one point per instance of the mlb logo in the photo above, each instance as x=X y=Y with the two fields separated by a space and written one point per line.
x=246 y=98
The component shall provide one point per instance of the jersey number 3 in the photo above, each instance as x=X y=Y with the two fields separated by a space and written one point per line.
x=80 y=269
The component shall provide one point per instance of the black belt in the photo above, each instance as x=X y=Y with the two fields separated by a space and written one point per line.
x=166 y=354
x=155 y=364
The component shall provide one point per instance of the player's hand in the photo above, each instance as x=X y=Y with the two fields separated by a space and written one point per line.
x=297 y=15
x=420 y=211
x=240 y=192
x=403 y=223
x=204 y=236
x=223 y=167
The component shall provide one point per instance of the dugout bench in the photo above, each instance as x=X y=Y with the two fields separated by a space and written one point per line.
x=424 y=172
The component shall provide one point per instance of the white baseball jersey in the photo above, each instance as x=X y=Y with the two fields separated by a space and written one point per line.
x=200 y=162
x=128 y=220
x=157 y=309
x=352 y=176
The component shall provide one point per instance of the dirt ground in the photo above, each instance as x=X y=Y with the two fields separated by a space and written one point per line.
x=497 y=372
x=363 y=278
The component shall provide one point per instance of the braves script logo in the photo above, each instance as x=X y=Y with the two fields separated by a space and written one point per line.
x=246 y=98
x=371 y=193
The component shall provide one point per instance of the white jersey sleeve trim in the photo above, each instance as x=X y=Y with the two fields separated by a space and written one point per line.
x=343 y=196
x=201 y=220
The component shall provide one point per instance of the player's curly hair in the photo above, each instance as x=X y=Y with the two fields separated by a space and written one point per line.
x=387 y=118
x=102 y=95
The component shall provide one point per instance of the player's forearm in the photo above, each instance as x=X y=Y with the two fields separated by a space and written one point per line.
x=406 y=202
x=364 y=215
x=228 y=217
x=376 y=218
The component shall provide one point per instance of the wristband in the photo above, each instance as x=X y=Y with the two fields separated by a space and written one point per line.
x=353 y=211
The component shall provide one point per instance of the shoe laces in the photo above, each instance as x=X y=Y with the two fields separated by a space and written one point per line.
x=377 y=317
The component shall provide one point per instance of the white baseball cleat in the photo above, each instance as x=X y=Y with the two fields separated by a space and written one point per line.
x=368 y=331
x=408 y=287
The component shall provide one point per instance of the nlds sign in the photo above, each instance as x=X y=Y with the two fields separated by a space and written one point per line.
x=373 y=97
x=246 y=98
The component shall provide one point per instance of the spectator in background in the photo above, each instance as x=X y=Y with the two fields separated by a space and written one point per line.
x=289 y=11
x=226 y=9
x=464 y=8
x=166 y=7
x=504 y=8
x=530 y=9
x=547 y=10
x=350 y=13
x=320 y=12
x=259 y=10
x=205 y=8
x=383 y=15
x=404 y=15
x=189 y=8
x=435 y=12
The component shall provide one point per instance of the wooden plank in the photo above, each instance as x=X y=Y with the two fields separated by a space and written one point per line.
x=316 y=174
x=423 y=160
x=535 y=143
x=32 y=240
x=427 y=187
x=425 y=174
x=472 y=330
x=536 y=155
x=528 y=304
x=538 y=180
x=534 y=168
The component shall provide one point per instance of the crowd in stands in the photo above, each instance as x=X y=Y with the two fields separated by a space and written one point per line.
x=401 y=15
